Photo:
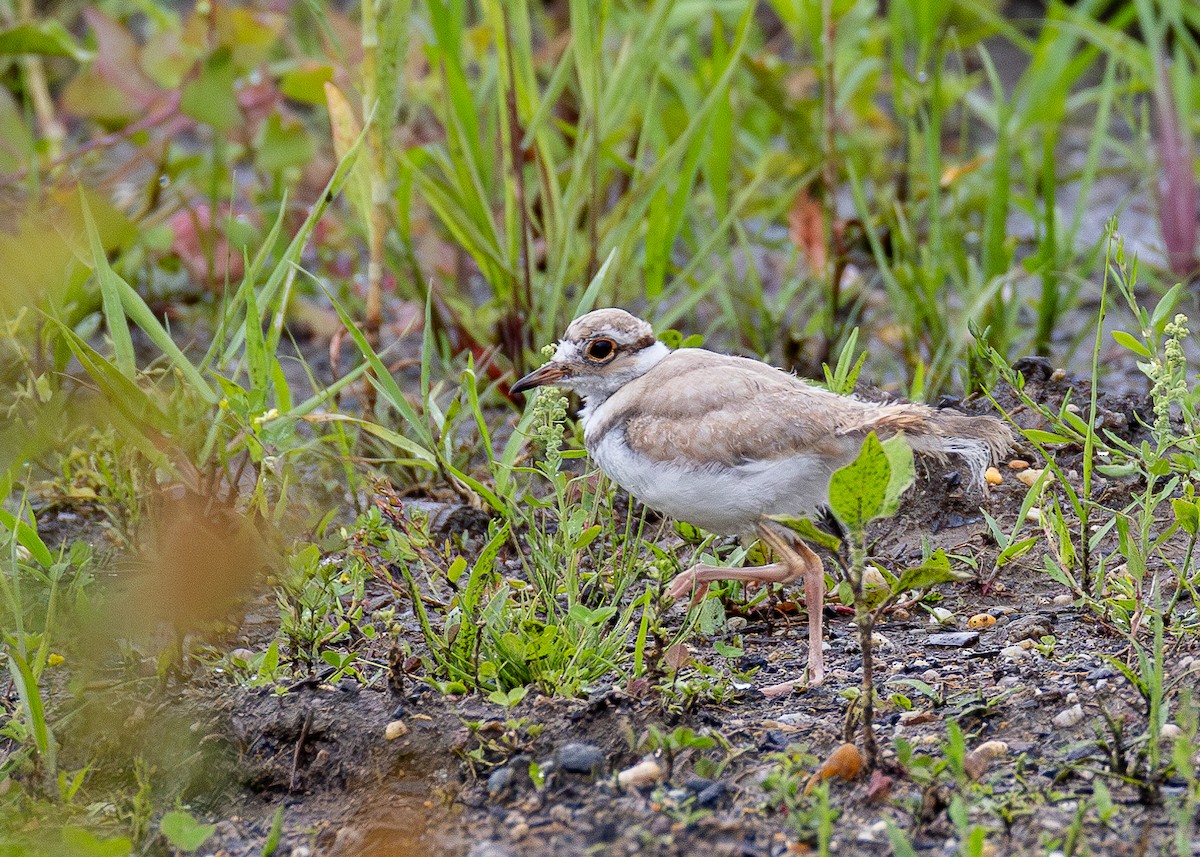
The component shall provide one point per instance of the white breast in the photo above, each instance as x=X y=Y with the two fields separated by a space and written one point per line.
x=717 y=498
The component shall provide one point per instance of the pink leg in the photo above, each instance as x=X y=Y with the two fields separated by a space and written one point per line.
x=798 y=560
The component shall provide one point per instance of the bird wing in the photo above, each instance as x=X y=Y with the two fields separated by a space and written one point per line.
x=710 y=407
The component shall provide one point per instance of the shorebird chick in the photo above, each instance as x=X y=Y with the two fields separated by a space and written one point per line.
x=724 y=442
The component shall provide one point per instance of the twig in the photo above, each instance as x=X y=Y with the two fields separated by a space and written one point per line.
x=308 y=719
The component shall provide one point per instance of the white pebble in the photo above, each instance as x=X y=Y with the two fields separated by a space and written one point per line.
x=1069 y=717
x=643 y=773
x=1014 y=653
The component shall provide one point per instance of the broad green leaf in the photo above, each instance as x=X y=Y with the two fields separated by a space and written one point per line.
x=46 y=38
x=933 y=571
x=727 y=651
x=82 y=842
x=184 y=832
x=1187 y=514
x=210 y=97
x=306 y=82
x=1132 y=343
x=858 y=490
x=284 y=143
x=810 y=532
x=901 y=475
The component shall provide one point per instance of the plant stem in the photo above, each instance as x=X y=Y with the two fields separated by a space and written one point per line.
x=864 y=618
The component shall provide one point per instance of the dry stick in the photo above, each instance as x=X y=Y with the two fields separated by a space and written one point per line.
x=308 y=719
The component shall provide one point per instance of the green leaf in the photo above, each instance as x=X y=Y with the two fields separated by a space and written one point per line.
x=1039 y=436
x=727 y=651
x=306 y=82
x=210 y=97
x=27 y=537
x=902 y=473
x=1187 y=514
x=275 y=834
x=858 y=490
x=809 y=531
x=284 y=143
x=127 y=303
x=933 y=571
x=46 y=38
x=82 y=842
x=1132 y=343
x=183 y=831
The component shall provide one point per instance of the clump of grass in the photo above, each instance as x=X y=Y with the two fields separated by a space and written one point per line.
x=553 y=608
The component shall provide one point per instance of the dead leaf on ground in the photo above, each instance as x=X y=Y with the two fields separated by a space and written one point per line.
x=880 y=787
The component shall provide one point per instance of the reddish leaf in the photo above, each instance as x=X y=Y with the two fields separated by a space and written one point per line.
x=807 y=229
x=117 y=60
x=880 y=787
x=677 y=657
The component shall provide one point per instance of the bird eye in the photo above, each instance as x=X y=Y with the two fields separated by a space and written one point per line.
x=600 y=349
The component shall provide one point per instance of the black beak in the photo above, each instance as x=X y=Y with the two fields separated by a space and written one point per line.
x=548 y=374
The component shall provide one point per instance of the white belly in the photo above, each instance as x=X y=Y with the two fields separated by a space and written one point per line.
x=717 y=498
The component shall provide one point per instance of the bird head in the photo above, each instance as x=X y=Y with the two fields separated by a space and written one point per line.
x=600 y=353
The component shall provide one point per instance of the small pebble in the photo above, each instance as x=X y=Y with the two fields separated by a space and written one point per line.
x=980 y=621
x=876 y=832
x=643 y=773
x=992 y=476
x=1034 y=515
x=940 y=616
x=930 y=676
x=1064 y=599
x=578 y=758
x=977 y=761
x=736 y=624
x=709 y=796
x=1018 y=464
x=1058 y=375
x=955 y=640
x=1029 y=477
x=519 y=830
x=1014 y=653
x=395 y=729
x=1069 y=717
x=500 y=781
x=1170 y=731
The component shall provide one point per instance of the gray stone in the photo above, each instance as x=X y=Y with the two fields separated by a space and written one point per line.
x=710 y=795
x=954 y=640
x=577 y=758
x=500 y=781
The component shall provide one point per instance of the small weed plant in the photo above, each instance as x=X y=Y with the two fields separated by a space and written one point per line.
x=554 y=608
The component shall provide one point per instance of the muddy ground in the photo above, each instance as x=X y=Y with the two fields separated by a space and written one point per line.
x=458 y=783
